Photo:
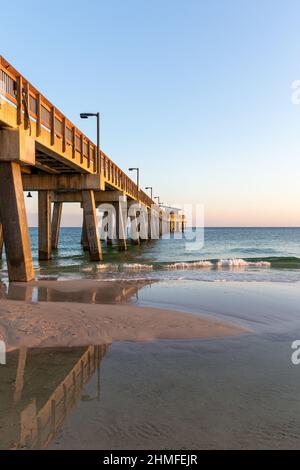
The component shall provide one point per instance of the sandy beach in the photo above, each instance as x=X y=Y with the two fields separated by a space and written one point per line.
x=176 y=364
x=57 y=324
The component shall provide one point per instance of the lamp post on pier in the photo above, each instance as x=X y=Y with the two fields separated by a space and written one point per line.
x=137 y=178
x=97 y=115
x=151 y=191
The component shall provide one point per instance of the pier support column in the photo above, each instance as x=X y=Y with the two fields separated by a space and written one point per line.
x=121 y=218
x=55 y=226
x=107 y=229
x=135 y=237
x=154 y=223
x=89 y=214
x=44 y=210
x=14 y=221
x=134 y=229
x=144 y=228
x=160 y=230
x=149 y=223
x=182 y=223
x=172 y=222
x=1 y=241
x=84 y=240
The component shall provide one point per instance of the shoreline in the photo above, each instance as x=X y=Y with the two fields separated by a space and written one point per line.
x=71 y=313
x=59 y=324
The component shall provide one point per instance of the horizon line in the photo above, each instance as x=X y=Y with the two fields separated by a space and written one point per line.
x=210 y=226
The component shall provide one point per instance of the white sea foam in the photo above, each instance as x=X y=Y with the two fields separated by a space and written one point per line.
x=107 y=267
x=222 y=263
x=191 y=265
x=184 y=266
x=137 y=266
x=237 y=262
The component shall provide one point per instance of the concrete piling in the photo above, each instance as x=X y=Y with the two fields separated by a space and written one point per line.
x=89 y=210
x=55 y=225
x=44 y=219
x=14 y=221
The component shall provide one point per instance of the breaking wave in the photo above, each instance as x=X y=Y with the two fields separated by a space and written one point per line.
x=137 y=266
x=193 y=265
x=233 y=263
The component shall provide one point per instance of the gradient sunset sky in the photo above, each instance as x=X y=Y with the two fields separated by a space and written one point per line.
x=196 y=93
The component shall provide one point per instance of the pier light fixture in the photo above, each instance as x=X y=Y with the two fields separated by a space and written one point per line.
x=157 y=197
x=137 y=176
x=97 y=115
x=151 y=190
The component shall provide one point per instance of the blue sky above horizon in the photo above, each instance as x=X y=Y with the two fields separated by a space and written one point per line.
x=196 y=93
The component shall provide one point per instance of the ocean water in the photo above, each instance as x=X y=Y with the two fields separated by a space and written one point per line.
x=227 y=254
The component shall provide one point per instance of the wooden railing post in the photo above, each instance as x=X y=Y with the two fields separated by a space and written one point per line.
x=73 y=142
x=81 y=148
x=94 y=159
x=64 y=143
x=39 y=115
x=89 y=154
x=52 y=130
x=26 y=102
x=19 y=99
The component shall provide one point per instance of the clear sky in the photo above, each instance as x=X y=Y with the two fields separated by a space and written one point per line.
x=196 y=93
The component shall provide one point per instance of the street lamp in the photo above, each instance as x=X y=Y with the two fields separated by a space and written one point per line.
x=97 y=115
x=137 y=176
x=157 y=197
x=151 y=190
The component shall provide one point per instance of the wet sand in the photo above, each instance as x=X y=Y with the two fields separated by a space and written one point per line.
x=237 y=391
x=230 y=393
x=56 y=324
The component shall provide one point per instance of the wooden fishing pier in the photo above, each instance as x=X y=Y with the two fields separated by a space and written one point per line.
x=41 y=150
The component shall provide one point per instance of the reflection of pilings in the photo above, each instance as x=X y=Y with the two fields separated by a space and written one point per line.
x=20 y=292
x=20 y=374
x=38 y=431
x=116 y=293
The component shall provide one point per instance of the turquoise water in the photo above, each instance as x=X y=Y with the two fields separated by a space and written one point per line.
x=228 y=254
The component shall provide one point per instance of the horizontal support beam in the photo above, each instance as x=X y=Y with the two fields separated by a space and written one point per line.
x=74 y=182
x=16 y=146
x=100 y=196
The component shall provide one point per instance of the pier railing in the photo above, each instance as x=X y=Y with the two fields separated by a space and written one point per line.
x=32 y=105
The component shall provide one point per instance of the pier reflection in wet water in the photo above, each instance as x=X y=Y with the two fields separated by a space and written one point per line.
x=93 y=293
x=38 y=390
x=219 y=393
